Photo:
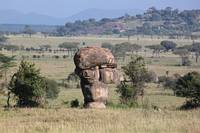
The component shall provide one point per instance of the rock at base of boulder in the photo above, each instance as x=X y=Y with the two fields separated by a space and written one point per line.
x=96 y=105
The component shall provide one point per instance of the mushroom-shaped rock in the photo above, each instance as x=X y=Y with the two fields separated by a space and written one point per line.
x=96 y=67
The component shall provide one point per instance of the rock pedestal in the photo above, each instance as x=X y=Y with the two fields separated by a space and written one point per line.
x=96 y=68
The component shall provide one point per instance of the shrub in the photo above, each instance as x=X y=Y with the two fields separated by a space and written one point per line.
x=52 y=89
x=56 y=57
x=168 y=45
x=65 y=56
x=151 y=77
x=162 y=79
x=28 y=85
x=168 y=82
x=131 y=88
x=189 y=86
x=128 y=94
x=73 y=77
x=74 y=103
x=34 y=56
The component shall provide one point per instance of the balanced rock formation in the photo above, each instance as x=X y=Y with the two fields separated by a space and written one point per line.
x=96 y=68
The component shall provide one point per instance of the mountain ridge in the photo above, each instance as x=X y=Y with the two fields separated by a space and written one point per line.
x=16 y=17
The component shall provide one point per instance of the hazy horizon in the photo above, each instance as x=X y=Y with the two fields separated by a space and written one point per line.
x=65 y=8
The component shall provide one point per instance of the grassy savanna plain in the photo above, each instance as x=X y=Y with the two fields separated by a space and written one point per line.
x=57 y=116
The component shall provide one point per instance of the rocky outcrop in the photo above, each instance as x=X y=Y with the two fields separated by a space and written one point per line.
x=96 y=68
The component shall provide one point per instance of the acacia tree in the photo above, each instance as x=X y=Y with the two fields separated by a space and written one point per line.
x=156 y=49
x=168 y=45
x=132 y=87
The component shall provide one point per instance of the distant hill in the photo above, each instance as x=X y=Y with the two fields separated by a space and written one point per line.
x=103 y=13
x=16 y=17
x=153 y=21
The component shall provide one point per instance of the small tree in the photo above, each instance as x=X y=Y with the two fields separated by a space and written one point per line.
x=184 y=54
x=28 y=30
x=168 y=45
x=28 y=85
x=3 y=39
x=136 y=73
x=52 y=89
x=189 y=86
x=196 y=48
x=156 y=49
x=5 y=64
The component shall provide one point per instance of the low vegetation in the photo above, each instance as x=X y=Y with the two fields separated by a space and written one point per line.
x=155 y=107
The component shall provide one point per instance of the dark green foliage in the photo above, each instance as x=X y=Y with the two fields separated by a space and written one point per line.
x=69 y=45
x=132 y=87
x=156 y=49
x=3 y=39
x=56 y=56
x=74 y=103
x=151 y=77
x=65 y=56
x=136 y=71
x=128 y=94
x=28 y=86
x=189 y=86
x=168 y=45
x=167 y=82
x=120 y=50
x=52 y=89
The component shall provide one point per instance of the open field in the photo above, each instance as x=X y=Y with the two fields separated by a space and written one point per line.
x=89 y=40
x=57 y=116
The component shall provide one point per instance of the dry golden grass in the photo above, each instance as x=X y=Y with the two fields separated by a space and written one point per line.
x=57 y=117
x=89 y=40
x=64 y=120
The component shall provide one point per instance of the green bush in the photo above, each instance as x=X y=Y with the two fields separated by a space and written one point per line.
x=189 y=86
x=132 y=87
x=69 y=45
x=74 y=103
x=128 y=94
x=168 y=45
x=151 y=77
x=52 y=89
x=28 y=86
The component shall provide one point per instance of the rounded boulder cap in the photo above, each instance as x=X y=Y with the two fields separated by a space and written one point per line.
x=89 y=57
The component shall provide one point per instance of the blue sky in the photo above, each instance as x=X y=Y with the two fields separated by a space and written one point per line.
x=63 y=8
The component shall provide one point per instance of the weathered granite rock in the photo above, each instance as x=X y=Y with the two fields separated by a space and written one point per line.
x=96 y=67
